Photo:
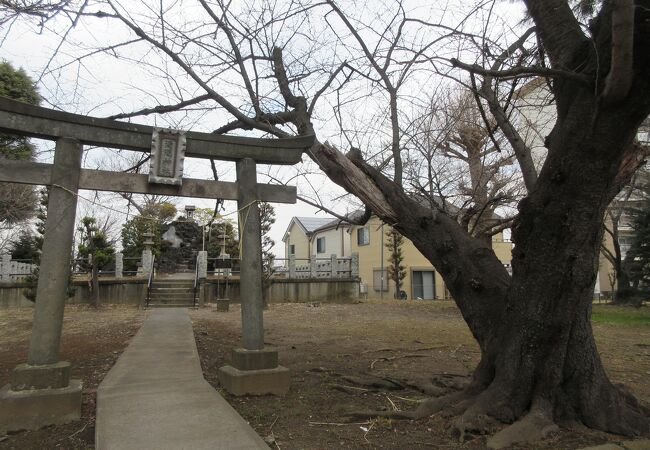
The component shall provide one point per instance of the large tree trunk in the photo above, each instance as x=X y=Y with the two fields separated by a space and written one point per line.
x=546 y=346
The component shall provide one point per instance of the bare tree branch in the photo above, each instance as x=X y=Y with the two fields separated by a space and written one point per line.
x=619 y=79
x=161 y=109
x=523 y=72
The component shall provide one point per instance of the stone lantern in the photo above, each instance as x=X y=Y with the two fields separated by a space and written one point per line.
x=189 y=212
x=147 y=253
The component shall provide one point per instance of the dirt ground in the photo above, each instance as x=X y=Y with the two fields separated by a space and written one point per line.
x=92 y=341
x=325 y=347
x=401 y=341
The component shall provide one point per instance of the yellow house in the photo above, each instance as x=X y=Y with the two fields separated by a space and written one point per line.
x=421 y=281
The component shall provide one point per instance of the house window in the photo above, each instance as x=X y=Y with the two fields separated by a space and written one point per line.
x=320 y=245
x=625 y=243
x=379 y=282
x=424 y=285
x=292 y=249
x=363 y=236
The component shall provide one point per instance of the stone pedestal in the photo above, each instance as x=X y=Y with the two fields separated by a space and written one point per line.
x=39 y=396
x=254 y=372
x=47 y=376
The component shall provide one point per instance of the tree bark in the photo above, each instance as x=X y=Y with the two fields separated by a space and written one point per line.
x=94 y=285
x=547 y=350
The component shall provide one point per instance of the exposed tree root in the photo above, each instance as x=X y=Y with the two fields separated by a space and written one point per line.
x=614 y=409
x=425 y=409
x=392 y=358
x=374 y=382
x=480 y=417
x=439 y=385
x=428 y=388
x=535 y=425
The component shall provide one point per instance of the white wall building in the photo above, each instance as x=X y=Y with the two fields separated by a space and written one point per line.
x=320 y=236
x=536 y=117
x=332 y=238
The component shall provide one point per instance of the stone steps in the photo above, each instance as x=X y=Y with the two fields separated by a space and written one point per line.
x=171 y=293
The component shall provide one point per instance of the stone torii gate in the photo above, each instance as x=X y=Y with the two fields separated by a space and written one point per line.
x=41 y=392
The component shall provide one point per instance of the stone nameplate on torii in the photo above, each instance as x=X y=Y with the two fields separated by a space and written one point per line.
x=29 y=402
x=167 y=156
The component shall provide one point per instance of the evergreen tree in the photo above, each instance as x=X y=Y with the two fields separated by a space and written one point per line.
x=35 y=247
x=25 y=247
x=17 y=201
x=214 y=242
x=94 y=246
x=396 y=270
x=637 y=259
x=267 y=219
x=151 y=220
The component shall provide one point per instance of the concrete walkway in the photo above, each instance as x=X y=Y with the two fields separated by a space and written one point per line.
x=155 y=397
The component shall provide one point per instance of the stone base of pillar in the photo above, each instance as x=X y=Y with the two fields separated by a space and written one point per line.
x=223 y=304
x=32 y=409
x=255 y=372
x=47 y=376
x=255 y=382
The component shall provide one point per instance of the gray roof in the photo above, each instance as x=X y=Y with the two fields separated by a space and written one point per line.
x=312 y=223
x=334 y=223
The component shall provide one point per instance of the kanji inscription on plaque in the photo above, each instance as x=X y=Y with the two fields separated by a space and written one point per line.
x=167 y=156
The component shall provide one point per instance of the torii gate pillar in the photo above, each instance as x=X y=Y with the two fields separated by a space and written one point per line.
x=254 y=370
x=41 y=392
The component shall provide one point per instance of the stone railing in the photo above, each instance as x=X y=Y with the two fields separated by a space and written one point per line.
x=13 y=270
x=315 y=267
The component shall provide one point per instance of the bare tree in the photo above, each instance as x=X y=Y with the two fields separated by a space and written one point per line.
x=461 y=167
x=539 y=362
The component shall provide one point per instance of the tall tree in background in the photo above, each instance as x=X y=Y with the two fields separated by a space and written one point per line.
x=622 y=213
x=17 y=201
x=461 y=165
x=267 y=219
x=29 y=245
x=638 y=264
x=35 y=240
x=634 y=286
x=396 y=268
